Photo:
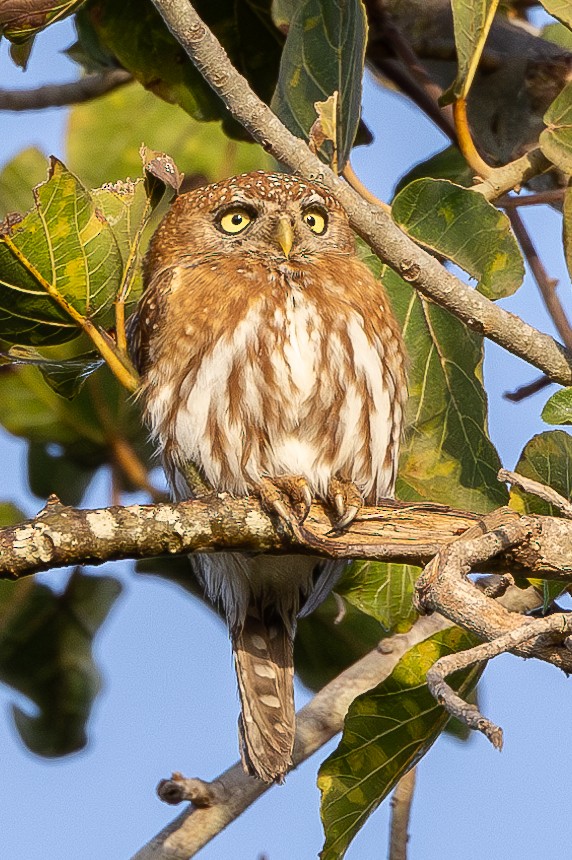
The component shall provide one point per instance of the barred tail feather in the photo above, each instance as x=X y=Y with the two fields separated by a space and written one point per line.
x=263 y=652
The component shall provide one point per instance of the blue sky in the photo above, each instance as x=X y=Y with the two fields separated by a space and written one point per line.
x=169 y=699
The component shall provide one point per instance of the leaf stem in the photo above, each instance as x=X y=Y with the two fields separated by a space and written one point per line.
x=466 y=143
x=117 y=360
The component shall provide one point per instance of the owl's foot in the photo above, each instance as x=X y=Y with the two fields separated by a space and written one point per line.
x=289 y=496
x=346 y=500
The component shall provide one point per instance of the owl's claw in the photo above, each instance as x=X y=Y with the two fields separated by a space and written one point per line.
x=346 y=500
x=289 y=496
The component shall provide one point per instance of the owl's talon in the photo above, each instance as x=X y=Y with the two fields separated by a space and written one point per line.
x=287 y=495
x=347 y=502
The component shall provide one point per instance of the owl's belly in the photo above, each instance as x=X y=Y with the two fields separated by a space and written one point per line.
x=282 y=395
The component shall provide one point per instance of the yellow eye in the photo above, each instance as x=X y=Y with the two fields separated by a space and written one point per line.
x=235 y=221
x=316 y=220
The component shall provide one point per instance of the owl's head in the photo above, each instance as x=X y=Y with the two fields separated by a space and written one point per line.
x=271 y=215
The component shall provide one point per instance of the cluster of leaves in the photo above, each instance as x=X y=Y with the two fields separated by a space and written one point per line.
x=69 y=274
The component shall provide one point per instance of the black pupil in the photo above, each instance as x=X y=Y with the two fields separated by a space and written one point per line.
x=310 y=220
x=236 y=219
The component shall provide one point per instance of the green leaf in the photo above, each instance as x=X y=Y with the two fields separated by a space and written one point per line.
x=558 y=34
x=67 y=244
x=547 y=458
x=556 y=140
x=17 y=179
x=472 y=21
x=332 y=638
x=10 y=514
x=53 y=470
x=464 y=227
x=324 y=53
x=446 y=453
x=559 y=9
x=558 y=408
x=384 y=591
x=19 y=21
x=105 y=137
x=567 y=228
x=135 y=34
x=45 y=653
x=387 y=731
x=447 y=164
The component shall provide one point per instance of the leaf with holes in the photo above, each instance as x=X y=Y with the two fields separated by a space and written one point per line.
x=58 y=265
x=461 y=225
x=386 y=732
x=556 y=140
x=324 y=53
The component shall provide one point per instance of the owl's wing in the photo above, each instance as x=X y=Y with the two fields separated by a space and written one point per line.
x=147 y=318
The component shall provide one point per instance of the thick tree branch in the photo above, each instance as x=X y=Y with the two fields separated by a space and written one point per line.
x=416 y=266
x=217 y=804
x=60 y=95
x=60 y=536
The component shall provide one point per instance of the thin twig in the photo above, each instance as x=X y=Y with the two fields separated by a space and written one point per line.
x=528 y=485
x=546 y=284
x=467 y=713
x=524 y=391
x=58 y=95
x=416 y=266
x=401 y=801
x=551 y=195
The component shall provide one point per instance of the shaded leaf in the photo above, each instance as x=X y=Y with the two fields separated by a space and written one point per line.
x=560 y=9
x=52 y=470
x=472 y=20
x=105 y=135
x=67 y=245
x=66 y=376
x=324 y=53
x=558 y=408
x=556 y=140
x=135 y=34
x=464 y=227
x=45 y=653
x=386 y=732
x=447 y=164
x=17 y=179
x=384 y=591
x=20 y=19
x=547 y=458
x=10 y=514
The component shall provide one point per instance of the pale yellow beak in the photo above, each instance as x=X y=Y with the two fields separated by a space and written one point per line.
x=284 y=234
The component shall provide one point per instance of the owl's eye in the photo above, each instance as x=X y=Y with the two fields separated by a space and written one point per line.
x=235 y=220
x=316 y=219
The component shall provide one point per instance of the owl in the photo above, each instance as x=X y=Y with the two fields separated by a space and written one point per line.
x=271 y=363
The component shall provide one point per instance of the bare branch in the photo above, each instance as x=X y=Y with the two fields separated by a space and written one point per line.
x=547 y=494
x=415 y=265
x=322 y=718
x=59 y=95
x=401 y=801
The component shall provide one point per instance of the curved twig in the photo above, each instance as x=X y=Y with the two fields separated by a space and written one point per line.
x=60 y=95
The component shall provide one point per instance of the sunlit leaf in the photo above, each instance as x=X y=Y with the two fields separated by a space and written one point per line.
x=558 y=409
x=324 y=53
x=547 y=458
x=472 y=20
x=384 y=591
x=567 y=228
x=17 y=179
x=65 y=243
x=386 y=732
x=10 y=514
x=45 y=653
x=464 y=227
x=559 y=9
x=556 y=140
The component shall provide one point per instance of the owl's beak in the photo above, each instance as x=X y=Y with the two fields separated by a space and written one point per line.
x=284 y=234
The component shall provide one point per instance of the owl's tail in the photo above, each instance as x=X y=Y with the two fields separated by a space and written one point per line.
x=263 y=653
